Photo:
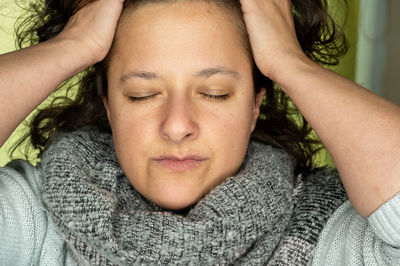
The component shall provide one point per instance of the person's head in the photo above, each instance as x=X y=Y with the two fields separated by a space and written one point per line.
x=181 y=95
x=180 y=98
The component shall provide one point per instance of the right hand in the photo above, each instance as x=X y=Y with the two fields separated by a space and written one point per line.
x=93 y=28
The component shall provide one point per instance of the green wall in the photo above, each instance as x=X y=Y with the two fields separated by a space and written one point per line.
x=347 y=63
x=9 y=12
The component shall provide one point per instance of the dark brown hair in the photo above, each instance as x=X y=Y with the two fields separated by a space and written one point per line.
x=280 y=123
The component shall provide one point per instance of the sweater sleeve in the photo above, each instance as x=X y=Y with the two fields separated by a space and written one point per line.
x=27 y=235
x=350 y=239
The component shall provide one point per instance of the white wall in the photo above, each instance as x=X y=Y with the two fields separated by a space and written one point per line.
x=392 y=72
x=378 y=48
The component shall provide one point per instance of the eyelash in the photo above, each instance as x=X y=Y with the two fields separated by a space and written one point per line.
x=142 y=99
x=209 y=96
x=216 y=97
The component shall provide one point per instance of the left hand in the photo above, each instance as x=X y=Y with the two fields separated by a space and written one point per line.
x=271 y=29
x=359 y=129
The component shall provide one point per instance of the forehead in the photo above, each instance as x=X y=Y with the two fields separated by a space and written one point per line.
x=178 y=11
x=179 y=34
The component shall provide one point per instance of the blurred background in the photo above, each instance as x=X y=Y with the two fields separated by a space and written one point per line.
x=372 y=61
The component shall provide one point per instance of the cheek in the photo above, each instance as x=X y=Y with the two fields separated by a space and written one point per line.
x=133 y=139
x=132 y=133
x=230 y=125
x=125 y=120
x=229 y=134
x=130 y=130
x=238 y=117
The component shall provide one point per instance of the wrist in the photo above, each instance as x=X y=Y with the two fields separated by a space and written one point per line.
x=287 y=65
x=293 y=70
x=72 y=56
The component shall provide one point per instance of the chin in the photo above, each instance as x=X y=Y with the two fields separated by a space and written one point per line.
x=176 y=200
x=176 y=205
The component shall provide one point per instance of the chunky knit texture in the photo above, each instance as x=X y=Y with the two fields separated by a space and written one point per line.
x=28 y=230
x=248 y=219
x=315 y=199
x=95 y=206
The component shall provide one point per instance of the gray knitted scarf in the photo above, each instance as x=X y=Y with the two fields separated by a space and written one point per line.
x=244 y=220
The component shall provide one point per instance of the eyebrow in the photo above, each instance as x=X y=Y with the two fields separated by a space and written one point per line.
x=204 y=73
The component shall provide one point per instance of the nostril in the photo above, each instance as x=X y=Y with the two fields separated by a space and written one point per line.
x=178 y=131
x=179 y=123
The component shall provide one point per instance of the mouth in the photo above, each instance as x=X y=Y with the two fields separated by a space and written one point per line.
x=180 y=164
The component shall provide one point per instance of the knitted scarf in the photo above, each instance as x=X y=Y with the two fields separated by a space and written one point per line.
x=247 y=219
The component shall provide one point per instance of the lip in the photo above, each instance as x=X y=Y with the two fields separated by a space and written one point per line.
x=180 y=164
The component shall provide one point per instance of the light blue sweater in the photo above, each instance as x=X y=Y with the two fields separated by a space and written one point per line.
x=30 y=237
x=27 y=233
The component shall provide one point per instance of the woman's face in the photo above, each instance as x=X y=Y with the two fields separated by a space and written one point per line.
x=180 y=102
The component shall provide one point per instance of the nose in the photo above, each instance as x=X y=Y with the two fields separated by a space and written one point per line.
x=179 y=123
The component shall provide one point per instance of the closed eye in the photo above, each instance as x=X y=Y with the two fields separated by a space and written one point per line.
x=222 y=97
x=143 y=98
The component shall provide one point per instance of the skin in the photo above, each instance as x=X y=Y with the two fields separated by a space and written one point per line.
x=176 y=41
x=359 y=128
x=85 y=40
